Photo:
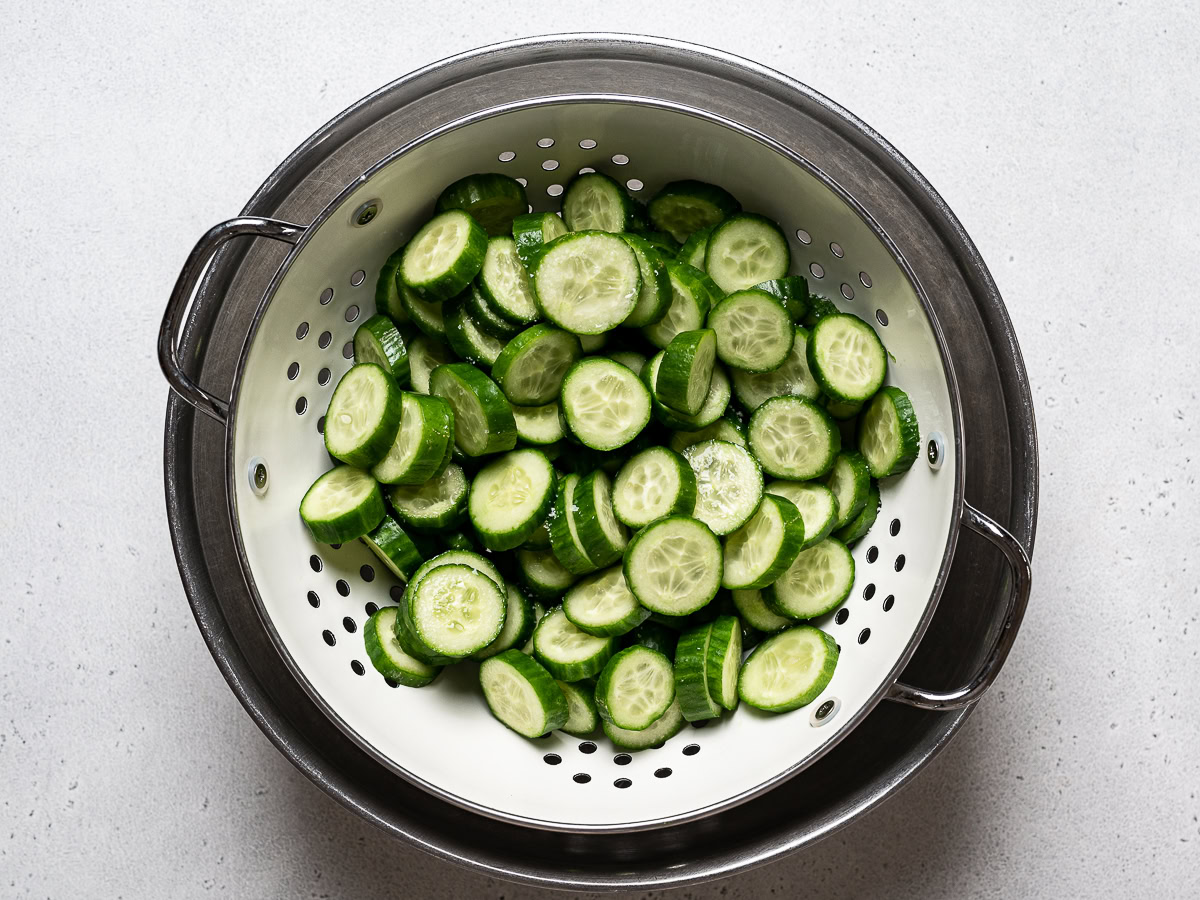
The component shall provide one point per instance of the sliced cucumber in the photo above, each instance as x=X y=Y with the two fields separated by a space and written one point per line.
x=763 y=549
x=568 y=653
x=789 y=669
x=630 y=359
x=635 y=688
x=377 y=341
x=394 y=548
x=692 y=294
x=725 y=428
x=483 y=420
x=841 y=411
x=654 y=483
x=857 y=527
x=504 y=282
x=543 y=574
x=541 y=425
x=427 y=315
x=510 y=497
x=605 y=405
x=493 y=200
x=363 y=416
x=846 y=358
x=724 y=659
x=729 y=484
x=518 y=625
x=592 y=342
x=850 y=480
x=596 y=202
x=673 y=565
x=387 y=292
x=819 y=579
x=714 y=404
x=425 y=435
x=685 y=207
x=754 y=332
x=794 y=438
x=531 y=366
x=532 y=232
x=685 y=372
x=460 y=558
x=486 y=317
x=654 y=635
x=588 y=282
x=388 y=657
x=655 y=294
x=693 y=250
x=424 y=355
x=599 y=531
x=791 y=291
x=564 y=531
x=452 y=611
x=691 y=675
x=662 y=242
x=444 y=255
x=817 y=504
x=755 y=612
x=343 y=504
x=466 y=337
x=669 y=725
x=818 y=308
x=603 y=605
x=582 y=716
x=792 y=379
x=441 y=502
x=745 y=250
x=522 y=694
x=888 y=434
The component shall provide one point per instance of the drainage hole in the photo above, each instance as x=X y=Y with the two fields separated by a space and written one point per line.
x=366 y=573
x=321 y=425
x=691 y=749
x=881 y=317
x=350 y=625
x=507 y=156
x=371 y=609
x=622 y=759
x=587 y=747
x=818 y=271
x=343 y=587
x=328 y=636
x=803 y=236
x=391 y=683
x=587 y=144
x=869 y=592
x=301 y=331
x=872 y=554
x=301 y=405
x=348 y=350
x=397 y=592
x=554 y=190
x=836 y=249
x=894 y=528
x=865 y=279
x=351 y=313
x=634 y=184
x=552 y=759
x=356 y=279
x=899 y=562
x=620 y=159
x=842 y=615
x=324 y=339
x=323 y=377
x=293 y=371
x=550 y=164
x=313 y=600
x=888 y=601
x=357 y=667
x=864 y=635
x=622 y=783
x=581 y=778
x=335 y=546
x=315 y=562
x=664 y=772
x=326 y=296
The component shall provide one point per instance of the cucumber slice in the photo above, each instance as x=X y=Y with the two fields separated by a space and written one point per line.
x=424 y=355
x=846 y=358
x=654 y=483
x=692 y=294
x=592 y=342
x=425 y=436
x=453 y=611
x=510 y=497
x=818 y=580
x=724 y=658
x=341 y=505
x=763 y=549
x=655 y=294
x=532 y=231
x=539 y=425
x=685 y=207
x=635 y=688
x=595 y=202
x=850 y=480
x=794 y=438
x=662 y=242
x=522 y=694
x=605 y=404
x=504 y=282
x=518 y=625
x=543 y=574
x=840 y=411
x=387 y=292
x=756 y=613
x=588 y=282
x=714 y=404
x=745 y=250
x=394 y=548
x=725 y=428
x=582 y=715
x=466 y=337
x=888 y=434
x=483 y=420
x=788 y=670
x=630 y=359
x=603 y=537
x=818 y=308
x=493 y=200
x=531 y=367
x=857 y=527
x=363 y=416
x=443 y=256
x=568 y=653
x=817 y=504
x=489 y=321
x=673 y=565
x=460 y=558
x=792 y=379
x=691 y=675
x=729 y=484
x=377 y=341
x=540 y=539
x=388 y=657
x=564 y=531
x=669 y=724
x=427 y=315
x=693 y=250
x=441 y=502
x=457 y=540
x=603 y=605
x=791 y=291
x=754 y=332
x=685 y=372
x=654 y=635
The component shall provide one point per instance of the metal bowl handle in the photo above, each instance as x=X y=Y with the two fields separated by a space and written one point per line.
x=179 y=304
x=1022 y=578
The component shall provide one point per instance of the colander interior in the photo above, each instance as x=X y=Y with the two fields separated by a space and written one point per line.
x=315 y=598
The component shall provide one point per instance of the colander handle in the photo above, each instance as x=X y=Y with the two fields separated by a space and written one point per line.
x=1022 y=579
x=177 y=307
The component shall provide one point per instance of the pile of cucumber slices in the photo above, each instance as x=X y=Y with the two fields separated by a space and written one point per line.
x=608 y=452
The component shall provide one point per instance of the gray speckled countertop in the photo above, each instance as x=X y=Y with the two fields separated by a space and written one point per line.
x=1063 y=135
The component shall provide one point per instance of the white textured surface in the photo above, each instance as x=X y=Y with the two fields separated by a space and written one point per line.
x=1064 y=137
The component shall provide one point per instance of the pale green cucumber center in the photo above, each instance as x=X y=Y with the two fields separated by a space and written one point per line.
x=793 y=379
x=816 y=575
x=815 y=504
x=728 y=484
x=513 y=699
x=510 y=490
x=674 y=562
x=558 y=639
x=756 y=612
x=538 y=423
x=648 y=486
x=604 y=402
x=543 y=567
x=789 y=435
x=536 y=375
x=754 y=546
x=506 y=277
x=849 y=356
x=470 y=422
x=436 y=247
x=879 y=437
x=342 y=490
x=700 y=377
x=423 y=357
x=432 y=498
x=408 y=439
x=595 y=208
x=682 y=315
x=354 y=412
x=751 y=329
x=639 y=687
x=602 y=600
x=589 y=284
x=368 y=350
x=456 y=608
x=785 y=667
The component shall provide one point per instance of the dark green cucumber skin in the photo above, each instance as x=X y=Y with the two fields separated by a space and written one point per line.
x=495 y=304
x=572 y=672
x=353 y=524
x=778 y=309
x=460 y=274
x=455 y=314
x=743 y=217
x=585 y=691
x=862 y=476
x=543 y=592
x=493 y=200
x=385 y=333
x=604 y=682
x=554 y=704
x=676 y=369
x=409 y=636
x=379 y=658
x=521 y=637
x=455 y=517
x=654 y=635
x=770 y=598
x=639 y=615
x=793 y=540
x=489 y=320
x=439 y=425
x=724 y=630
x=723 y=205
x=501 y=427
x=792 y=292
x=627 y=203
x=511 y=540
x=814 y=366
x=570 y=557
x=387 y=291
x=692 y=251
x=910 y=430
x=375 y=447
x=661 y=241
x=656 y=258
x=394 y=542
x=529 y=232
x=691 y=679
x=831 y=658
x=409 y=300
x=857 y=528
x=818 y=308
x=699 y=286
x=597 y=548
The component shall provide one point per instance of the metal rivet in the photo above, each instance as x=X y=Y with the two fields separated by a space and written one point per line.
x=825 y=711
x=257 y=472
x=366 y=213
x=935 y=450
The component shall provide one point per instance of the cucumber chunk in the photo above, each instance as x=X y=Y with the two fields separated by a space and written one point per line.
x=440 y=502
x=564 y=530
x=685 y=373
x=654 y=483
x=817 y=504
x=888 y=434
x=724 y=658
x=654 y=635
x=532 y=232
x=343 y=504
x=794 y=438
x=692 y=294
x=522 y=694
x=745 y=250
x=543 y=574
x=568 y=653
x=582 y=716
x=816 y=582
x=363 y=416
x=754 y=332
x=693 y=250
x=846 y=358
x=788 y=670
x=387 y=291
x=595 y=202
x=588 y=282
x=635 y=688
x=655 y=294
x=714 y=404
x=791 y=291
x=427 y=315
x=691 y=675
x=518 y=625
x=388 y=657
x=483 y=420
x=510 y=497
x=466 y=337
x=452 y=611
x=605 y=405
x=424 y=355
x=443 y=256
x=857 y=527
x=668 y=725
x=378 y=341
x=685 y=207
x=792 y=379
x=850 y=480
x=729 y=484
x=541 y=425
x=486 y=317
x=599 y=531
x=491 y=199
x=763 y=549
x=673 y=565
x=603 y=605
x=755 y=612
x=425 y=435
x=394 y=548
x=725 y=428
x=531 y=367
x=504 y=282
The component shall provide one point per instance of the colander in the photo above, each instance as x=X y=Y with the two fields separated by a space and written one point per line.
x=646 y=112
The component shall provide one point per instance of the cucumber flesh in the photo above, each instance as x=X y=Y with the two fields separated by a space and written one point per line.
x=746 y=250
x=491 y=199
x=846 y=358
x=728 y=484
x=518 y=625
x=656 y=482
x=635 y=688
x=363 y=416
x=388 y=657
x=723 y=660
x=754 y=332
x=673 y=565
x=378 y=341
x=454 y=610
x=444 y=255
x=668 y=725
x=510 y=498
x=763 y=549
x=755 y=612
x=818 y=507
x=596 y=202
x=605 y=404
x=603 y=605
x=343 y=504
x=522 y=694
x=889 y=436
x=794 y=438
x=788 y=670
x=817 y=581
x=568 y=653
x=582 y=716
x=588 y=282
x=441 y=502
